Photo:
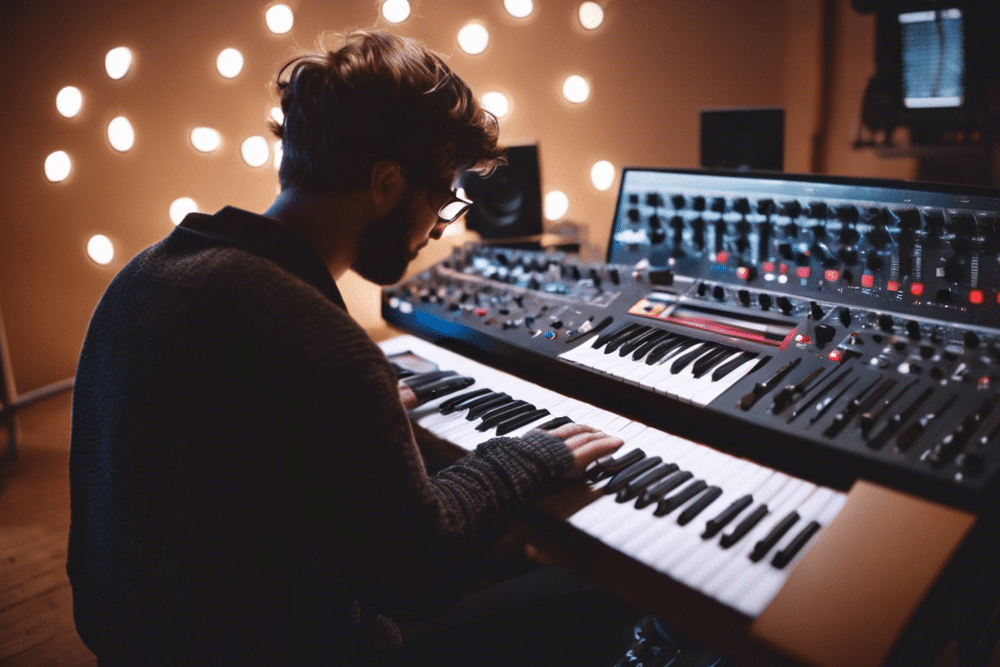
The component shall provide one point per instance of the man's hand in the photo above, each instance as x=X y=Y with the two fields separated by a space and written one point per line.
x=408 y=398
x=587 y=444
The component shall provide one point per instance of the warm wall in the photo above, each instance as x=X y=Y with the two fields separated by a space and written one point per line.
x=652 y=66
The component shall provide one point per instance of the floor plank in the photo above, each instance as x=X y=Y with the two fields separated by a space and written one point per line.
x=36 y=603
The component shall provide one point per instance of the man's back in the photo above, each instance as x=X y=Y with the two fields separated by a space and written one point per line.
x=195 y=439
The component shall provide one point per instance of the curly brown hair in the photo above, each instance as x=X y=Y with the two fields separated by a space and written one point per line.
x=373 y=95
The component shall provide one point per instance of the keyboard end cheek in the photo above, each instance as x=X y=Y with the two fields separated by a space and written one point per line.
x=859 y=583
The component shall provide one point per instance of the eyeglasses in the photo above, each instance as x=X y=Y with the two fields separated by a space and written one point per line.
x=453 y=208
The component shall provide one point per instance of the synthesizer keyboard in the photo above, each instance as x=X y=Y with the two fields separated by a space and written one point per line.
x=834 y=329
x=720 y=524
x=785 y=566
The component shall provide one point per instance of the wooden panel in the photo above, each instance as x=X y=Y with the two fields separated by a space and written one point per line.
x=851 y=596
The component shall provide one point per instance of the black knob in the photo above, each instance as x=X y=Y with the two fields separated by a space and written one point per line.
x=935 y=222
x=744 y=297
x=702 y=289
x=818 y=210
x=970 y=339
x=885 y=323
x=849 y=235
x=785 y=250
x=764 y=300
x=718 y=292
x=766 y=206
x=845 y=316
x=633 y=214
x=654 y=199
x=678 y=201
x=823 y=334
x=815 y=310
x=742 y=205
x=613 y=275
x=913 y=329
x=698 y=203
x=847 y=213
x=784 y=305
x=719 y=204
x=792 y=208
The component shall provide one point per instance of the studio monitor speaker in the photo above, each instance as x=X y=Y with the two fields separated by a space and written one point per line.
x=508 y=203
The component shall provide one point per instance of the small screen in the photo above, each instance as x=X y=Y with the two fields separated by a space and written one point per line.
x=933 y=59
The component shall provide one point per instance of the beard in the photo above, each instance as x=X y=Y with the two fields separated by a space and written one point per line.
x=383 y=253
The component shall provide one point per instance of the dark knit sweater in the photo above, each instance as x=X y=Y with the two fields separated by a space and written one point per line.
x=245 y=486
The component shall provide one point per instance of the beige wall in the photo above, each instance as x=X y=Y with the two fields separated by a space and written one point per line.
x=652 y=66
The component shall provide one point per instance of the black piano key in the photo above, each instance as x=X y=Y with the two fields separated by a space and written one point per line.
x=670 y=503
x=480 y=407
x=517 y=422
x=650 y=343
x=429 y=392
x=656 y=492
x=502 y=414
x=456 y=403
x=637 y=340
x=743 y=527
x=714 y=525
x=555 y=423
x=710 y=361
x=609 y=465
x=731 y=365
x=622 y=478
x=688 y=358
x=401 y=373
x=711 y=494
x=785 y=556
x=777 y=532
x=617 y=342
x=603 y=339
x=617 y=336
x=639 y=484
x=666 y=347
x=426 y=378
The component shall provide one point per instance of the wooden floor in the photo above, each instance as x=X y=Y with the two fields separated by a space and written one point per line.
x=36 y=611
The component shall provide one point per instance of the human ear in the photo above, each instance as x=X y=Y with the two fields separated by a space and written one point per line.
x=387 y=185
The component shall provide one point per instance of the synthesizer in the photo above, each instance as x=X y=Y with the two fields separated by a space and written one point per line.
x=769 y=568
x=833 y=329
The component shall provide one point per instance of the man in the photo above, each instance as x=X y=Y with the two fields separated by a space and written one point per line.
x=245 y=485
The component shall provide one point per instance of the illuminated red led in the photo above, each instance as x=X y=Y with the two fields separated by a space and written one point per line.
x=976 y=297
x=984 y=382
x=768 y=267
x=836 y=355
x=916 y=289
x=782 y=268
x=867 y=280
x=722 y=257
x=742 y=273
x=831 y=275
x=892 y=286
x=802 y=271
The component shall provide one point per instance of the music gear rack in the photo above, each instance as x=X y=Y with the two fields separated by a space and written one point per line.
x=840 y=330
